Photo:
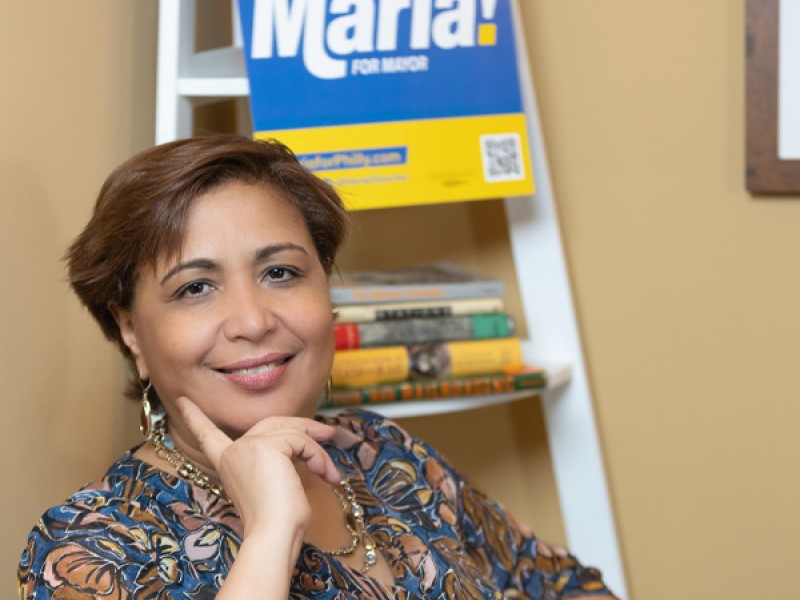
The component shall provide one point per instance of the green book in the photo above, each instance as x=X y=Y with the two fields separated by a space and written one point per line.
x=405 y=332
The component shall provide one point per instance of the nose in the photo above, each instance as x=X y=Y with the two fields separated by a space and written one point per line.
x=248 y=312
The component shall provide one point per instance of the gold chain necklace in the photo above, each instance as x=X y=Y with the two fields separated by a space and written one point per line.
x=354 y=521
x=185 y=468
x=354 y=513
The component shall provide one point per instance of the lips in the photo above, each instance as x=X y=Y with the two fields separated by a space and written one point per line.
x=256 y=374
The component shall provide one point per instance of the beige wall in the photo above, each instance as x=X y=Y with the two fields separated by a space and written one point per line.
x=686 y=287
x=684 y=283
x=77 y=98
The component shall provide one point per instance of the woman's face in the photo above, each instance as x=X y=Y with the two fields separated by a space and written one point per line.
x=240 y=322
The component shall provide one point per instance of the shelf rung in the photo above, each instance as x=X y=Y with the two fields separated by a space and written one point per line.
x=220 y=87
x=216 y=73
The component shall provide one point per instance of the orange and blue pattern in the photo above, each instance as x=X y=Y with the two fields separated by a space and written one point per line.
x=142 y=533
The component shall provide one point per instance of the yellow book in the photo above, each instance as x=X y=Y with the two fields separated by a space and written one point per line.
x=388 y=364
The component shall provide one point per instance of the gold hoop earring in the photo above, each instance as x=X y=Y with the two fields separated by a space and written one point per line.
x=146 y=415
x=326 y=401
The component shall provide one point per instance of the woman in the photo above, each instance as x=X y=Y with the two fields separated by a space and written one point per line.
x=207 y=261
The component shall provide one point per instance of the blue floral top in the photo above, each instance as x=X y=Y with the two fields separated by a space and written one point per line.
x=142 y=533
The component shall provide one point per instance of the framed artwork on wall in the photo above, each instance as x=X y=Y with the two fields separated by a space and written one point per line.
x=773 y=97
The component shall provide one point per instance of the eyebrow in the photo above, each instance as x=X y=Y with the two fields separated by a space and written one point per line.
x=208 y=264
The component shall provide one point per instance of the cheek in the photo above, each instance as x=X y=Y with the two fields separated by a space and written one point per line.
x=173 y=342
x=324 y=333
x=316 y=324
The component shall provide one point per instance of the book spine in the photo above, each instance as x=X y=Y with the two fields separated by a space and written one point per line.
x=351 y=336
x=360 y=313
x=388 y=364
x=436 y=389
x=412 y=293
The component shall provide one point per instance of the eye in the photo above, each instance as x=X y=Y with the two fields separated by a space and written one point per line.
x=194 y=289
x=280 y=274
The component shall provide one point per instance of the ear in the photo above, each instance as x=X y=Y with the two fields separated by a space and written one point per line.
x=124 y=319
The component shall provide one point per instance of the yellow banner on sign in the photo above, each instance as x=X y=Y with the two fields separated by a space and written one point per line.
x=405 y=163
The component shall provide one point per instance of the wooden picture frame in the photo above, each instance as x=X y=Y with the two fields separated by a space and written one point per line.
x=766 y=172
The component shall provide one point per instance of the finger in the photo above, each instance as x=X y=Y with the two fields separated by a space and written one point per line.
x=305 y=449
x=324 y=467
x=313 y=429
x=211 y=438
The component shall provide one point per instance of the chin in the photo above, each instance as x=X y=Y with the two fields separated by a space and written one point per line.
x=246 y=419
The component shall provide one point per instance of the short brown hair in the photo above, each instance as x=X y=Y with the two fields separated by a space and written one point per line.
x=141 y=212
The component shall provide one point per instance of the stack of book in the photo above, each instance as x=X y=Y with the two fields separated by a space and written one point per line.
x=427 y=332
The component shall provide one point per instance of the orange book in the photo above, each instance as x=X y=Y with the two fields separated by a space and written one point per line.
x=528 y=378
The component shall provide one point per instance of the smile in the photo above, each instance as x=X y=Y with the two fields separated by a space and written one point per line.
x=257 y=375
x=257 y=369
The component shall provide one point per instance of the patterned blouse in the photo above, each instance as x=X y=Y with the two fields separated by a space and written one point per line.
x=142 y=533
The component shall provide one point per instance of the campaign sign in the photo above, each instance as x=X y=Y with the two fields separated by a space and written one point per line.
x=395 y=102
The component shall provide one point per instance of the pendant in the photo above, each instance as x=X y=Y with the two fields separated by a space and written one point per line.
x=370 y=552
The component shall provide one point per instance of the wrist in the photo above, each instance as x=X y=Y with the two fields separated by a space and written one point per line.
x=250 y=574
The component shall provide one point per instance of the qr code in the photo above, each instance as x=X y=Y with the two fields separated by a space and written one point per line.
x=502 y=157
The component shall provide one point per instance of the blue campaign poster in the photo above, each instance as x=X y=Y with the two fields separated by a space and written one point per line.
x=396 y=101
